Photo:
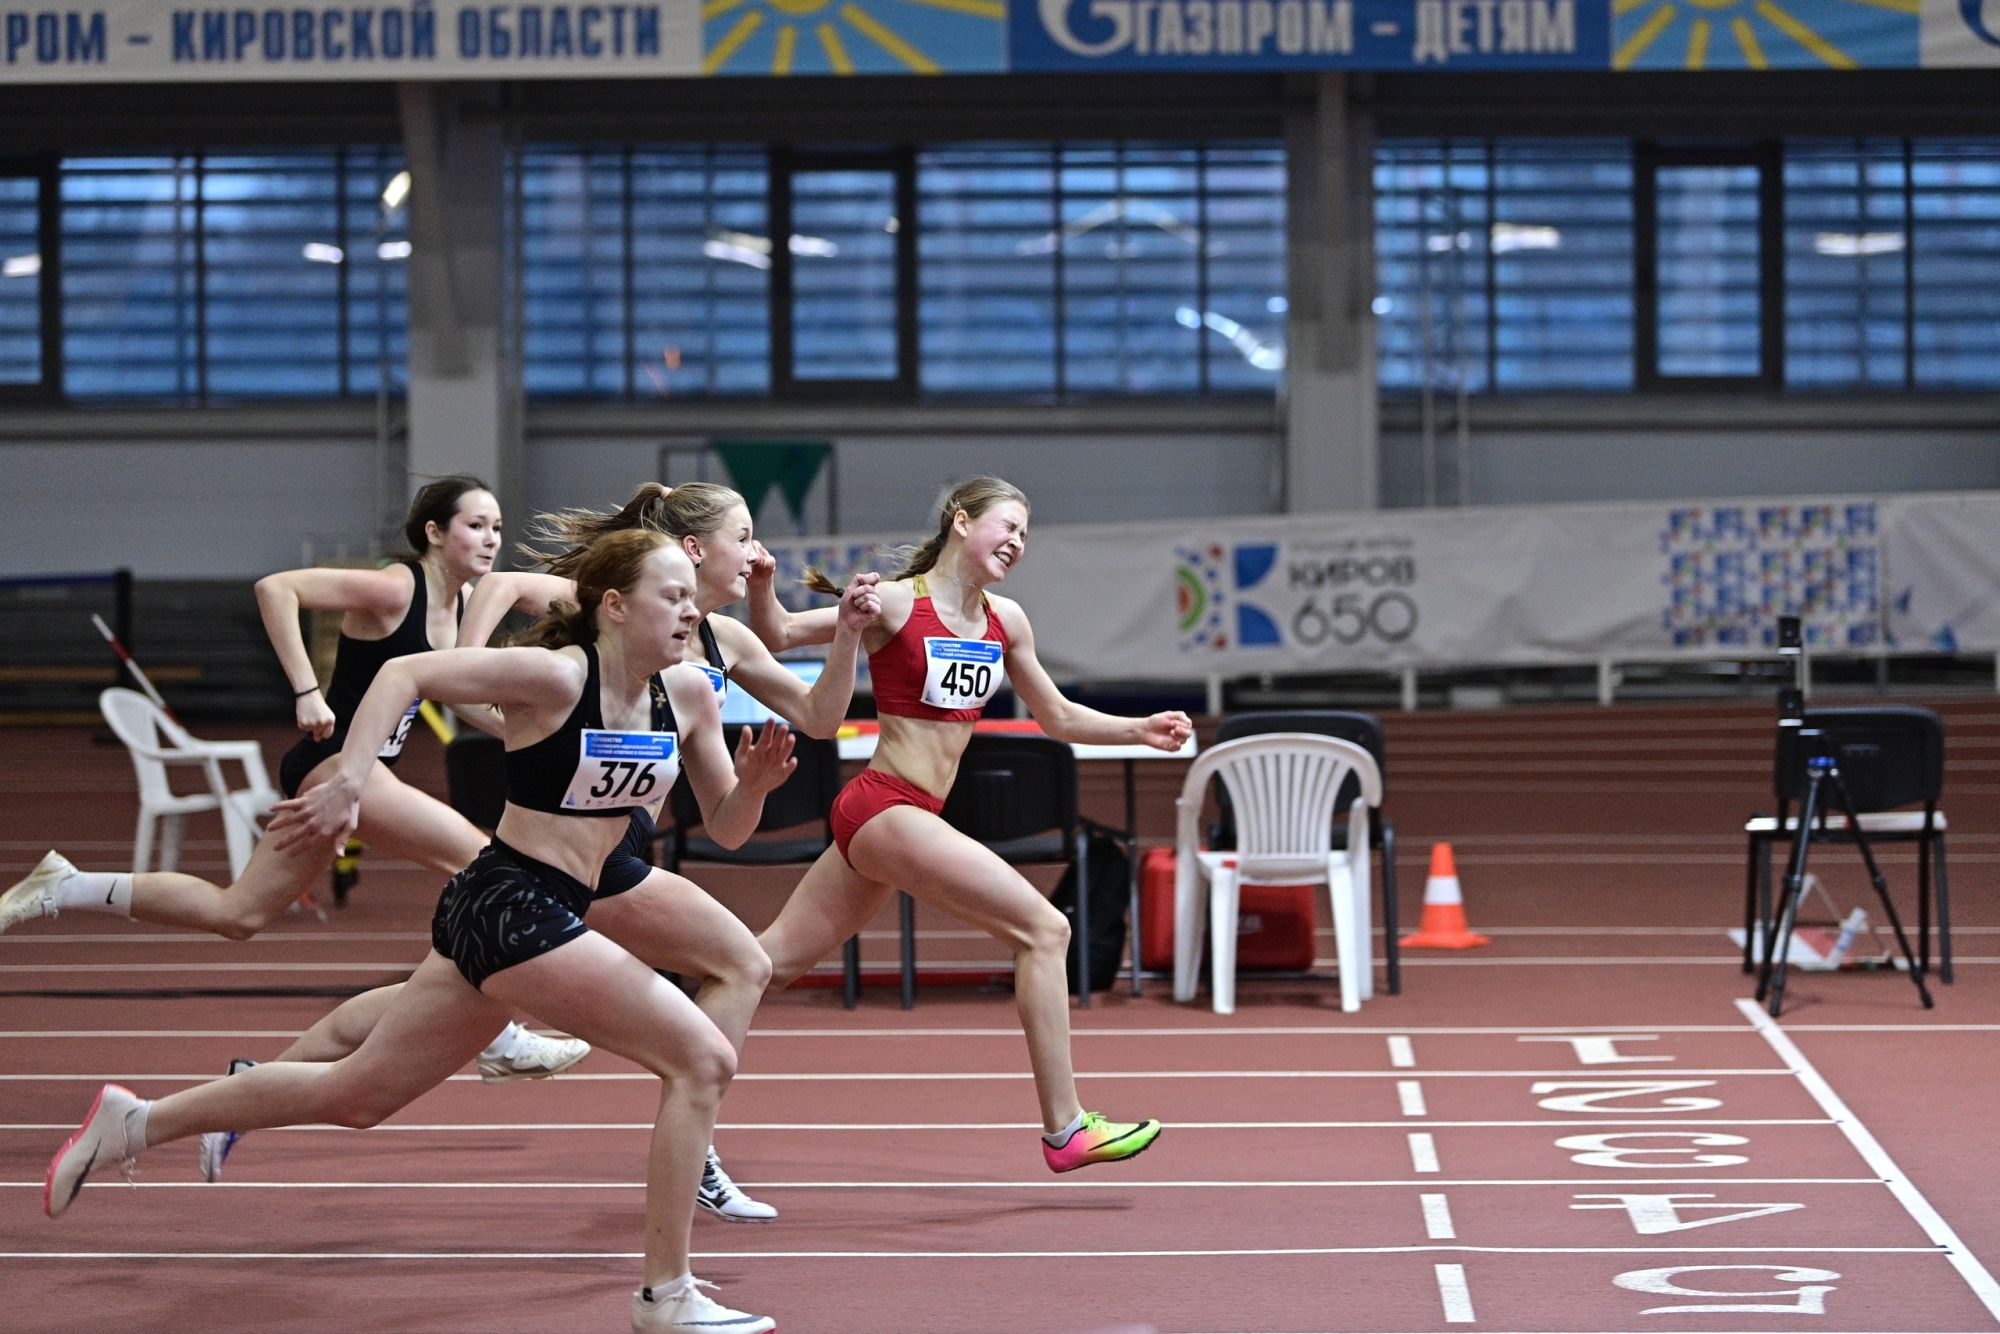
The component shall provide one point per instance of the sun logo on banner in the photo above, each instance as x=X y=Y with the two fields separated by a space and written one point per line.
x=1199 y=597
x=784 y=37
x=1765 y=34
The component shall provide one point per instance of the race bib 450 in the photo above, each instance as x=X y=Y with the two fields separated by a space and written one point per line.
x=961 y=673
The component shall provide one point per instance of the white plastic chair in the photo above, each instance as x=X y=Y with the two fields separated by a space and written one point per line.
x=1283 y=786
x=156 y=741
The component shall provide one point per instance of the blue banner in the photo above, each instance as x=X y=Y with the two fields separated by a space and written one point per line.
x=1055 y=35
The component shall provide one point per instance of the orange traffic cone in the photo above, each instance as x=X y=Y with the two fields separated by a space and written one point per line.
x=1443 y=924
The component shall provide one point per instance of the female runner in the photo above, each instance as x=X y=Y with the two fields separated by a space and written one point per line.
x=937 y=655
x=663 y=918
x=453 y=528
x=596 y=728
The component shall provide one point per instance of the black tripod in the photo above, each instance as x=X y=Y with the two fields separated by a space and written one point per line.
x=1822 y=768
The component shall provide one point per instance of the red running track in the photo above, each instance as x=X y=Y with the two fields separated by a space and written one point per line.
x=1577 y=1129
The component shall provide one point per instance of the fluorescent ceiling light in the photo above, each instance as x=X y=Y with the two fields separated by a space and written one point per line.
x=393 y=250
x=1518 y=236
x=21 y=266
x=1503 y=237
x=1846 y=245
x=718 y=248
x=396 y=191
x=755 y=251
x=321 y=253
x=1264 y=356
x=1137 y=210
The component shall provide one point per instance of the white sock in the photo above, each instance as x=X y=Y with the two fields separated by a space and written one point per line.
x=659 y=1292
x=506 y=1045
x=135 y=1129
x=96 y=891
x=1061 y=1137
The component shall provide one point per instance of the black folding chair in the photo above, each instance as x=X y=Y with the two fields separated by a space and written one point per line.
x=1017 y=795
x=793 y=830
x=1365 y=731
x=1890 y=758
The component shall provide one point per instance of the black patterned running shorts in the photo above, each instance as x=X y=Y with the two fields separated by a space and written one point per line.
x=506 y=908
x=630 y=862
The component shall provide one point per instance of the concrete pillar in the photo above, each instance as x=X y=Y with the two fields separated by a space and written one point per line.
x=464 y=401
x=1331 y=431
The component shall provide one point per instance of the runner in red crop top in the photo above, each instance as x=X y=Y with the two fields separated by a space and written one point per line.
x=940 y=651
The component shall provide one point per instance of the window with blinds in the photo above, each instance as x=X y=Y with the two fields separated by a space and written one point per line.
x=1847 y=252
x=1101 y=269
x=219 y=277
x=20 y=282
x=1954 y=270
x=645 y=271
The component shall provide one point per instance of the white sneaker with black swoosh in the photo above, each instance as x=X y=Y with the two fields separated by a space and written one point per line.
x=725 y=1199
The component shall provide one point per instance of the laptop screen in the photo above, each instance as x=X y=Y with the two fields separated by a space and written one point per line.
x=740 y=706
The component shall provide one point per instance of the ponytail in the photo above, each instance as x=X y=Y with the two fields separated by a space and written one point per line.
x=974 y=497
x=612 y=561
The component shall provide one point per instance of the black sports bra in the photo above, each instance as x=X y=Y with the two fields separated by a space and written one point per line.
x=583 y=768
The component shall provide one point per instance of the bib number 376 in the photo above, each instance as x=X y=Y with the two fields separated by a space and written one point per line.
x=619 y=769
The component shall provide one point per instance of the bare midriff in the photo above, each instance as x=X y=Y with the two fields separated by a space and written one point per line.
x=921 y=751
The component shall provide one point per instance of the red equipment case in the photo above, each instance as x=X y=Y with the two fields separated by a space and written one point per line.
x=1274 y=931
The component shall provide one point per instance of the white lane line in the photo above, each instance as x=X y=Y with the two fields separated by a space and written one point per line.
x=897 y=1127
x=1975 y=1274
x=233 y=947
x=1454 y=1294
x=1731 y=958
x=1410 y=1096
x=1577 y=1182
x=1014 y=1034
x=1437 y=1218
x=1402 y=1053
x=975 y=1255
x=402 y=966
x=833 y=1077
x=1423 y=1153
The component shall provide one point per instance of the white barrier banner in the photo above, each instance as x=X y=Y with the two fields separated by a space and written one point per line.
x=1436 y=588
x=1943 y=557
x=142 y=41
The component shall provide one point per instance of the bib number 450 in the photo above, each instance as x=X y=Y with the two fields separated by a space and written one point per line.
x=967 y=679
x=624 y=778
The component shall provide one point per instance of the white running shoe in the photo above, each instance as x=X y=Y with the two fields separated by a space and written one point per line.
x=535 y=1057
x=98 y=1142
x=216 y=1144
x=685 y=1309
x=723 y=1198
x=35 y=896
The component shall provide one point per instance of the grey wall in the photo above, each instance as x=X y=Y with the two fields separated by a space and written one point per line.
x=183 y=508
x=890 y=482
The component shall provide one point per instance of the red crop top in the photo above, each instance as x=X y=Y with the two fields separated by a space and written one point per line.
x=926 y=671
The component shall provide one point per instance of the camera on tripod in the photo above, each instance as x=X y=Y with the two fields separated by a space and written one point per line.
x=1792 y=698
x=1810 y=764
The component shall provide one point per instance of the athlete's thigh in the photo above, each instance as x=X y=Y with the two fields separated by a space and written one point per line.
x=408 y=822
x=436 y=1023
x=831 y=903
x=591 y=987
x=920 y=853
x=668 y=921
x=275 y=876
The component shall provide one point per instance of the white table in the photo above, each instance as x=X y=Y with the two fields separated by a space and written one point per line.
x=861 y=746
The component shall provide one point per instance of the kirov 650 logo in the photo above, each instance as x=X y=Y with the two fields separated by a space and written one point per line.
x=1339 y=600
